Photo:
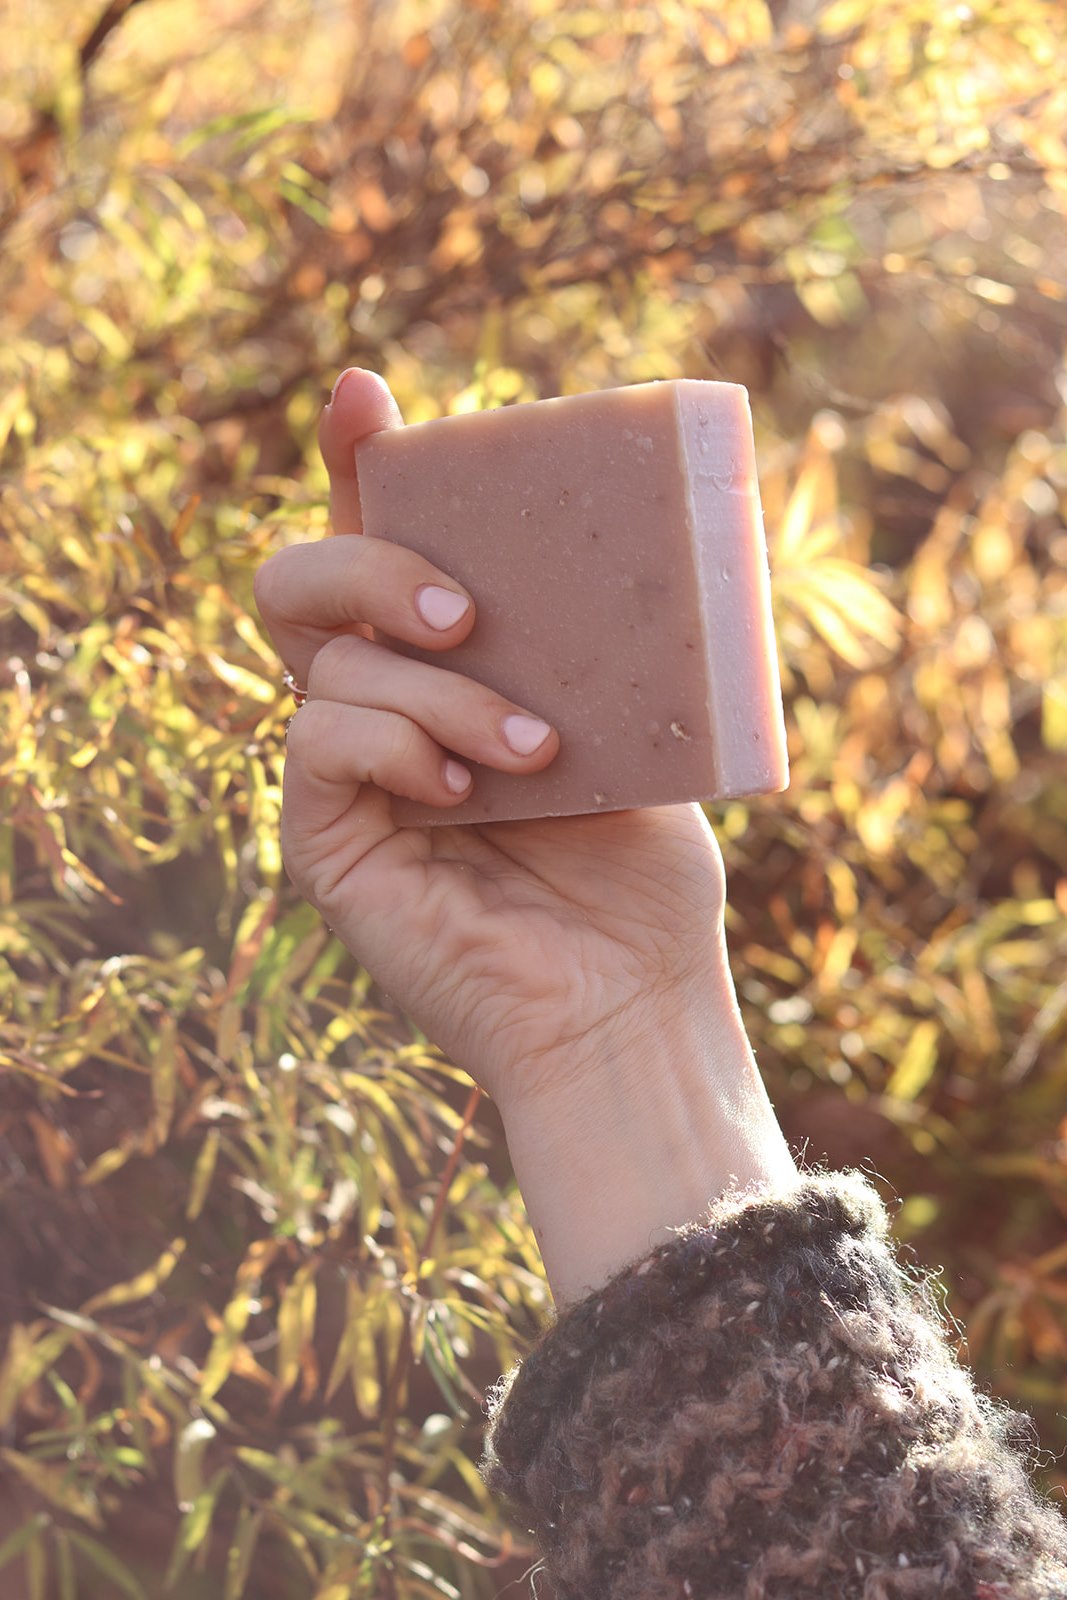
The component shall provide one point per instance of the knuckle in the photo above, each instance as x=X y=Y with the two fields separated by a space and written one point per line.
x=292 y=854
x=493 y=708
x=407 y=742
x=272 y=584
x=334 y=663
x=314 y=727
x=391 y=569
x=364 y=557
x=265 y=583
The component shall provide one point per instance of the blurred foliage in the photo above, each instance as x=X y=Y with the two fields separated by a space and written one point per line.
x=261 y=1250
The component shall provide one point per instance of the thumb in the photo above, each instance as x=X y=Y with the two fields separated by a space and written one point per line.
x=361 y=404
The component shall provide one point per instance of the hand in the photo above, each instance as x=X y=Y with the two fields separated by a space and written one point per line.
x=530 y=952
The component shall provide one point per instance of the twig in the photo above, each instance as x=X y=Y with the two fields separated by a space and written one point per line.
x=30 y=153
x=106 y=24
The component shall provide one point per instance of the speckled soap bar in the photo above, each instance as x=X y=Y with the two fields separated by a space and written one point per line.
x=614 y=546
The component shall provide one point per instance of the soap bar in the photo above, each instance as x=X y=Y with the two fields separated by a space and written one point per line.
x=614 y=546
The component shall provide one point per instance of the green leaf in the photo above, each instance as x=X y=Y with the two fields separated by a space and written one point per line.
x=316 y=1527
x=56 y=1484
x=198 y=1520
x=356 y=1305
x=195 y=1526
x=65 y=1574
x=16 y=1542
x=250 y=125
x=280 y=1472
x=438 y=1366
x=241 y=1551
x=37 y=1570
x=108 y=1564
x=434 y=1583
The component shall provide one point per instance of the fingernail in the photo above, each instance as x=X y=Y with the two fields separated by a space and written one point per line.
x=525 y=734
x=339 y=385
x=441 y=608
x=456 y=777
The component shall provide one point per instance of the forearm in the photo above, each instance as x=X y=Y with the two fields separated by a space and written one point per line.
x=653 y=1132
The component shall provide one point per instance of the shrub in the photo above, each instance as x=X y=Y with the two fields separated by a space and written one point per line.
x=262 y=1251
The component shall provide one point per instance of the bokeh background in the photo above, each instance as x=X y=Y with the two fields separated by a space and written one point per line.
x=261 y=1252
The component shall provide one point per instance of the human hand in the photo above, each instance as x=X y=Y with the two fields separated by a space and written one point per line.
x=533 y=953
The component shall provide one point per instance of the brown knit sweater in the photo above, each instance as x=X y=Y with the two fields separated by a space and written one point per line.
x=767 y=1407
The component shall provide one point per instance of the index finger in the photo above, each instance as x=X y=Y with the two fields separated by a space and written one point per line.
x=361 y=404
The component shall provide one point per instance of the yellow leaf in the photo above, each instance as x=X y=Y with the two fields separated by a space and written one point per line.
x=90 y=877
x=184 y=522
x=838 y=958
x=144 y=1284
x=366 y=1385
x=107 y=332
x=229 y=1026
x=296 y=1327
x=111 y=1160
x=916 y=1066
x=164 y=1077
x=239 y=678
x=55 y=1149
x=811 y=505
x=203 y=1172
x=11 y=405
x=224 y=1345
x=1054 y=715
x=844 y=585
x=249 y=634
x=25 y=1360
x=831 y=626
x=347 y=1343
x=220 y=1359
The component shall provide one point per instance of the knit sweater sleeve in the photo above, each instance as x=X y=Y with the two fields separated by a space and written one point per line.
x=764 y=1407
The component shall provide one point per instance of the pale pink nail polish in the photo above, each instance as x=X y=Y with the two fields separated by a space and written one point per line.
x=345 y=375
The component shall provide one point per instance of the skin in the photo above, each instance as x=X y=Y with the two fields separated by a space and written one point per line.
x=575 y=966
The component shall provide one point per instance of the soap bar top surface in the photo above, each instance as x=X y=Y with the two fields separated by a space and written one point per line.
x=614 y=546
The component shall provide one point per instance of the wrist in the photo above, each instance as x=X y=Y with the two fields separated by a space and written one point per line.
x=643 y=1140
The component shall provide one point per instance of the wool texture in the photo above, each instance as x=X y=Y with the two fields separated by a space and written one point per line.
x=767 y=1407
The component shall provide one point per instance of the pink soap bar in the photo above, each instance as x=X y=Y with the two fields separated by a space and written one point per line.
x=614 y=546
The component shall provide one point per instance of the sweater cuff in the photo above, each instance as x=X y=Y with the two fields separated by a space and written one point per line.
x=768 y=1398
